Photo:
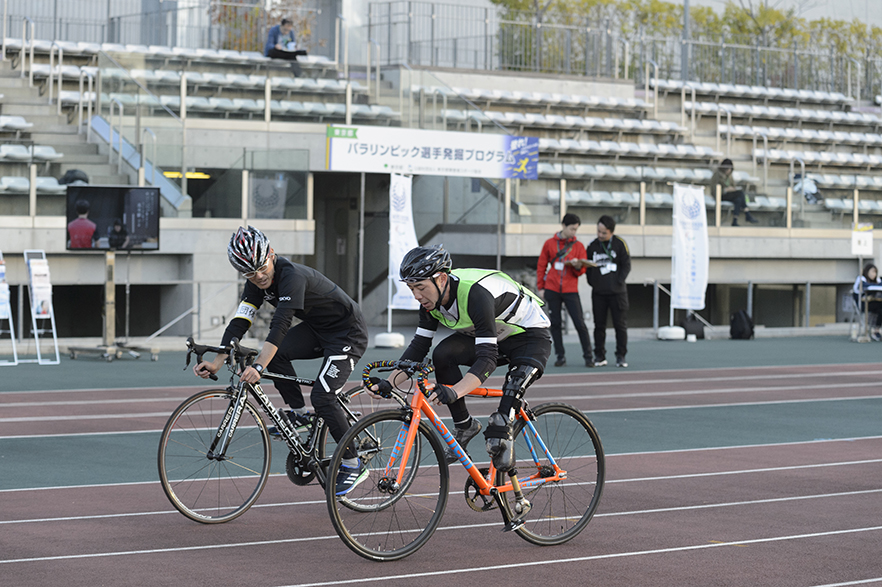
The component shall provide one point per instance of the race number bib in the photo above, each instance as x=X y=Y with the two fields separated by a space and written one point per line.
x=246 y=311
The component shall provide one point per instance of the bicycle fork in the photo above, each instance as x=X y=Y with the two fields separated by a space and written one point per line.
x=224 y=434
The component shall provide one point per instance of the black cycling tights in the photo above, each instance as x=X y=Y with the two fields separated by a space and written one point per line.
x=531 y=348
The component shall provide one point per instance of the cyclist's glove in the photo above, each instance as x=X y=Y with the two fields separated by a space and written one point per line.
x=384 y=388
x=445 y=394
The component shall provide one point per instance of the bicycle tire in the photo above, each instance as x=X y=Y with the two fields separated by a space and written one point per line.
x=386 y=525
x=560 y=509
x=207 y=490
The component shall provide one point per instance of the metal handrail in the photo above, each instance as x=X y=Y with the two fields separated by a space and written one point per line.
x=85 y=74
x=51 y=67
x=683 y=106
x=110 y=138
x=655 y=88
x=369 y=65
x=24 y=28
x=5 y=12
x=143 y=159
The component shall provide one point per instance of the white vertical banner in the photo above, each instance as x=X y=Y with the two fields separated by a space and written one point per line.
x=690 y=259
x=402 y=238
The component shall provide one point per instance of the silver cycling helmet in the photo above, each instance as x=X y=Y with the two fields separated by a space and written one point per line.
x=248 y=250
x=423 y=263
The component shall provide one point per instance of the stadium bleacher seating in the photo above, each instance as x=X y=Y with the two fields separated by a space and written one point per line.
x=719 y=90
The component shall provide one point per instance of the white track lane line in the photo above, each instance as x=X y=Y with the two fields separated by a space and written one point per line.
x=707 y=379
x=877 y=580
x=466 y=526
x=837 y=369
x=456 y=492
x=594 y=557
x=15 y=420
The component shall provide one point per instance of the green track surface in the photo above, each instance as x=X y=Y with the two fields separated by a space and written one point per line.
x=168 y=371
x=123 y=458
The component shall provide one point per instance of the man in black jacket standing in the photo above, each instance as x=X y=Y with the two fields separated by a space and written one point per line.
x=609 y=292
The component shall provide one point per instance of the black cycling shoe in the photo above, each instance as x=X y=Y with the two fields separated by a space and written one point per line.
x=462 y=436
x=299 y=422
x=500 y=445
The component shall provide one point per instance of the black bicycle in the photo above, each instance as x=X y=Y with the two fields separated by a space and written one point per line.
x=215 y=450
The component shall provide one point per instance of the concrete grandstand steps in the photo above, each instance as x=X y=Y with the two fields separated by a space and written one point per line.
x=60 y=138
x=95 y=170
x=816 y=217
x=44 y=122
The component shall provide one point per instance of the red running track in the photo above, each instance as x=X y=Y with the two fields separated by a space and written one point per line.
x=795 y=514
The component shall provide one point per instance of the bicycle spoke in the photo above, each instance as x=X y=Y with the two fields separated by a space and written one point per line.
x=376 y=521
x=560 y=509
x=219 y=489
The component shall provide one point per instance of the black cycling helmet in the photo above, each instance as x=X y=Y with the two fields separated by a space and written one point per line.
x=248 y=250
x=423 y=263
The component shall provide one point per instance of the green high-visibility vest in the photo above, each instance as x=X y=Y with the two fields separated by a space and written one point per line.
x=497 y=283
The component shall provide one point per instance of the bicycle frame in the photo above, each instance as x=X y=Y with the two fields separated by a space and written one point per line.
x=420 y=408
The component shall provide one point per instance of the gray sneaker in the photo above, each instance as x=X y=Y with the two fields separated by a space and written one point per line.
x=462 y=436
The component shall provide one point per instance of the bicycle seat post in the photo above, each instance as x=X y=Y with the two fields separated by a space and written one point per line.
x=522 y=504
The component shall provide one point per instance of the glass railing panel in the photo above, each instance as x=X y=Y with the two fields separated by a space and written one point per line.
x=535 y=201
x=150 y=126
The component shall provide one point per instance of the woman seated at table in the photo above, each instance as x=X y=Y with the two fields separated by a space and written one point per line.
x=869 y=284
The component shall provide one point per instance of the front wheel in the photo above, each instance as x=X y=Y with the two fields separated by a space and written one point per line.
x=560 y=509
x=204 y=487
x=382 y=518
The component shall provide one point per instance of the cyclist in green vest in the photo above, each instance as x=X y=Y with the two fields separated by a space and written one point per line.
x=496 y=321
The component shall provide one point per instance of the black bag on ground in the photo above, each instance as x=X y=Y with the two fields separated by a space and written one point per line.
x=693 y=325
x=741 y=326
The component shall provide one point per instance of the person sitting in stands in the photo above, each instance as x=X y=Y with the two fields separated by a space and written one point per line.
x=731 y=192
x=869 y=285
x=280 y=44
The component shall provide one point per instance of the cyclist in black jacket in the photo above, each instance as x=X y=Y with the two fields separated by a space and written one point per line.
x=332 y=326
x=608 y=290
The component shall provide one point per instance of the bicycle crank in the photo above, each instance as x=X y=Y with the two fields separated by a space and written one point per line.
x=298 y=471
x=472 y=493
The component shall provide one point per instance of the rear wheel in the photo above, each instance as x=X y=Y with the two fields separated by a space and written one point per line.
x=203 y=487
x=560 y=509
x=380 y=518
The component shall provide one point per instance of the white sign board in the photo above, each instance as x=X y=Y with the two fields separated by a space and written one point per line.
x=382 y=149
x=690 y=259
x=41 y=288
x=862 y=240
x=402 y=238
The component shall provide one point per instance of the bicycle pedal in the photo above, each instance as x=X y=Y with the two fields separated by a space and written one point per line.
x=513 y=525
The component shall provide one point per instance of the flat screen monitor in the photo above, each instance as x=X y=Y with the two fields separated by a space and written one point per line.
x=106 y=217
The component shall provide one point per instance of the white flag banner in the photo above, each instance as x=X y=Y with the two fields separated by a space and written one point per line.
x=402 y=238
x=690 y=259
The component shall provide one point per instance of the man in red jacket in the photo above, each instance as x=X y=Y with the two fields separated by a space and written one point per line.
x=557 y=279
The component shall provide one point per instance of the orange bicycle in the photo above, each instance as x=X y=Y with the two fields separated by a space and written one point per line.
x=547 y=498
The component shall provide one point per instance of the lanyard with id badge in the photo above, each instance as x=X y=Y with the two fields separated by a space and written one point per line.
x=610 y=266
x=561 y=254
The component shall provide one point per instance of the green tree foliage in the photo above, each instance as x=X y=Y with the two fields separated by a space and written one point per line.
x=748 y=22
